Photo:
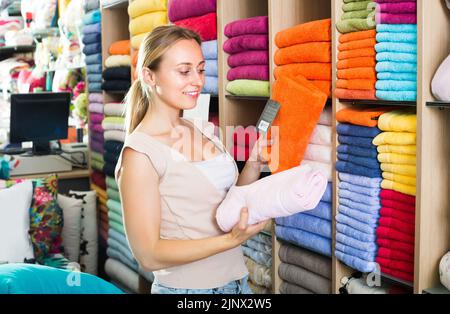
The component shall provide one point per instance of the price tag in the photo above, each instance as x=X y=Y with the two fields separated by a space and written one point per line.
x=269 y=114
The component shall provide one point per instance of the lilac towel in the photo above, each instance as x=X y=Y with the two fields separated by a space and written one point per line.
x=183 y=9
x=392 y=18
x=95 y=107
x=96 y=118
x=249 y=72
x=246 y=42
x=252 y=25
x=96 y=97
x=397 y=7
x=96 y=136
x=252 y=57
x=96 y=127
x=97 y=146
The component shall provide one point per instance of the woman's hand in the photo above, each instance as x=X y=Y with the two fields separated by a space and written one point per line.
x=256 y=156
x=242 y=231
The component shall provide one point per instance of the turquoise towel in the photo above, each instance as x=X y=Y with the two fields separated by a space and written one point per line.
x=396 y=57
x=397 y=96
x=95 y=87
x=367 y=256
x=397 y=37
x=92 y=17
x=401 y=76
x=356 y=262
x=396 y=85
x=387 y=66
x=397 y=28
x=396 y=47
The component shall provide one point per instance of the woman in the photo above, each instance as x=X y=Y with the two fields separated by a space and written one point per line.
x=173 y=175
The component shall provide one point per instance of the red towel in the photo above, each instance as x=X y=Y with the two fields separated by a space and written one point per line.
x=98 y=178
x=388 y=253
x=205 y=26
x=398 y=214
x=397 y=196
x=397 y=224
x=241 y=153
x=396 y=245
x=396 y=265
x=390 y=233
x=398 y=274
x=411 y=209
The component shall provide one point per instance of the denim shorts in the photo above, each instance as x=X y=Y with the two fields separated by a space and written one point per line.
x=233 y=287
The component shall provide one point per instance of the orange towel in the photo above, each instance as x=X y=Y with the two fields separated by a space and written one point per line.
x=103 y=208
x=301 y=106
x=358 y=44
x=356 y=84
x=134 y=57
x=355 y=94
x=364 y=52
x=345 y=38
x=362 y=62
x=121 y=47
x=304 y=33
x=357 y=73
x=311 y=71
x=324 y=86
x=309 y=52
x=362 y=116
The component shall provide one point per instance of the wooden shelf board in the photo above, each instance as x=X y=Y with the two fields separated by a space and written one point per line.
x=438 y=104
x=379 y=102
x=253 y=98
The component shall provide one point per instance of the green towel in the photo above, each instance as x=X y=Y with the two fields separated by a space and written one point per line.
x=116 y=226
x=357 y=6
x=97 y=164
x=111 y=183
x=363 y=14
x=97 y=156
x=354 y=25
x=114 y=206
x=113 y=194
x=118 y=120
x=249 y=88
x=113 y=217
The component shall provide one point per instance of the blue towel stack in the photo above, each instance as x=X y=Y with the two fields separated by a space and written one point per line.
x=209 y=49
x=310 y=229
x=396 y=62
x=92 y=41
x=359 y=197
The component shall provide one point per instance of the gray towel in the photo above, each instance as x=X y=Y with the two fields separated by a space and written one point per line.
x=304 y=278
x=289 y=288
x=311 y=261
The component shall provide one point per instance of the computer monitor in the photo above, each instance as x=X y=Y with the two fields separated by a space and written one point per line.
x=40 y=118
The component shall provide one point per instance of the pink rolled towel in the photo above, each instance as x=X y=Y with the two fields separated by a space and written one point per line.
x=252 y=25
x=246 y=42
x=252 y=57
x=392 y=18
x=249 y=72
x=183 y=9
x=279 y=195
x=397 y=7
x=96 y=117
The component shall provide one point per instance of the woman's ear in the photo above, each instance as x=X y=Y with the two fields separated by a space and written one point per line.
x=149 y=77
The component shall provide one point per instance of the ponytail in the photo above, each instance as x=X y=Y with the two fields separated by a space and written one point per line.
x=137 y=102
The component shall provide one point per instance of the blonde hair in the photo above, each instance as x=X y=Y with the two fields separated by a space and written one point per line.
x=139 y=98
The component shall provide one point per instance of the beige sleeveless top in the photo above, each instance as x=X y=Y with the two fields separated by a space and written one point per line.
x=188 y=208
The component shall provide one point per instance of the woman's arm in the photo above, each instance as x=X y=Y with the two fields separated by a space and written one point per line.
x=138 y=185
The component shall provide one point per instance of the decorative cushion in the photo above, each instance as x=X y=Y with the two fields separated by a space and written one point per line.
x=15 y=244
x=71 y=231
x=89 y=232
x=444 y=270
x=38 y=279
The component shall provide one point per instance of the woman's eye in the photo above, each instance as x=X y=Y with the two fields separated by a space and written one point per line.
x=202 y=70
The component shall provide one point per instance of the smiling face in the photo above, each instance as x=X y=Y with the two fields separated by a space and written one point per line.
x=180 y=77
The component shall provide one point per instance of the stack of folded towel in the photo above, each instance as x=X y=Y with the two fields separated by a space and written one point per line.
x=117 y=73
x=144 y=17
x=396 y=62
x=359 y=188
x=247 y=47
x=396 y=12
x=201 y=17
x=303 y=272
x=356 y=66
x=306 y=50
x=92 y=41
x=310 y=229
x=112 y=146
x=258 y=258
x=397 y=154
x=359 y=15
x=95 y=126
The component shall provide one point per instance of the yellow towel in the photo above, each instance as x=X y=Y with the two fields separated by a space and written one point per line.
x=399 y=178
x=402 y=188
x=395 y=138
x=117 y=61
x=397 y=159
x=398 y=121
x=141 y=7
x=397 y=149
x=405 y=170
x=103 y=208
x=100 y=192
x=137 y=40
x=147 y=22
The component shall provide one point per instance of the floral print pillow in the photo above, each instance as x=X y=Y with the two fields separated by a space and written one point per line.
x=46 y=217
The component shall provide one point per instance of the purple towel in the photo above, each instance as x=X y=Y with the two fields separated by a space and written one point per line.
x=96 y=97
x=96 y=127
x=183 y=9
x=392 y=18
x=96 y=118
x=252 y=25
x=97 y=136
x=92 y=28
x=246 y=42
x=97 y=146
x=249 y=72
x=391 y=1
x=397 y=7
x=252 y=57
